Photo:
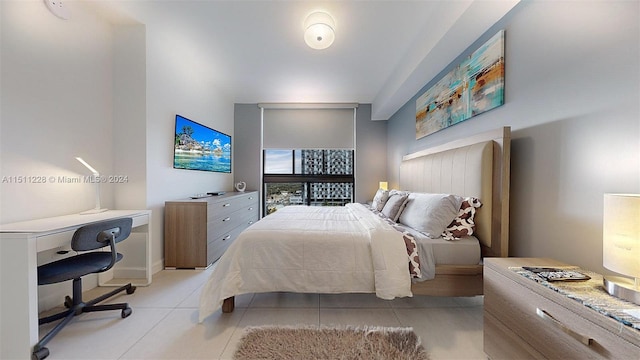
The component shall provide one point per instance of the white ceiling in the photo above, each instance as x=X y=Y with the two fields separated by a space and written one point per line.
x=384 y=51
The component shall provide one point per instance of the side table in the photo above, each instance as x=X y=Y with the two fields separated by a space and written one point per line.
x=529 y=318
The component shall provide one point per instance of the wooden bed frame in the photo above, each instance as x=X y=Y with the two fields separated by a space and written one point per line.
x=432 y=170
x=475 y=166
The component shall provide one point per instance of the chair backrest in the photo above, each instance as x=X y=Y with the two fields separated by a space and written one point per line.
x=96 y=236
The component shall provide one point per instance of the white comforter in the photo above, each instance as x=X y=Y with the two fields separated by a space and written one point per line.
x=312 y=250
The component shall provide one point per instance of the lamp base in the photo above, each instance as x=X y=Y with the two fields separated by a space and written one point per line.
x=622 y=288
x=93 y=211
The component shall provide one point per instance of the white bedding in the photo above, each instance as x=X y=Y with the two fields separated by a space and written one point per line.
x=312 y=250
x=432 y=252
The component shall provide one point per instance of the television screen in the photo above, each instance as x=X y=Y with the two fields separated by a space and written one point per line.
x=198 y=147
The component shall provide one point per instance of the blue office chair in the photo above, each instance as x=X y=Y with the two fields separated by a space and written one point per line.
x=87 y=238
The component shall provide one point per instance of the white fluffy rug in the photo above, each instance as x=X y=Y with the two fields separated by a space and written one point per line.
x=284 y=343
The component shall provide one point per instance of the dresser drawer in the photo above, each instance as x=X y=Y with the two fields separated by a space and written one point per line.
x=224 y=224
x=233 y=212
x=250 y=199
x=501 y=343
x=51 y=241
x=546 y=326
x=228 y=205
x=219 y=245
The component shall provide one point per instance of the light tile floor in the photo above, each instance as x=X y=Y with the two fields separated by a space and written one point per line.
x=164 y=323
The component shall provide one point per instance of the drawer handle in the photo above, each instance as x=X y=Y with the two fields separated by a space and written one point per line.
x=250 y=222
x=550 y=319
x=226 y=219
x=226 y=205
x=251 y=208
x=250 y=197
x=226 y=237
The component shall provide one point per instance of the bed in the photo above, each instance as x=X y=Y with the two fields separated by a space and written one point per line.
x=356 y=249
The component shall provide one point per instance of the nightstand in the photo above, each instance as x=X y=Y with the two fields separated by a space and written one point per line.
x=529 y=319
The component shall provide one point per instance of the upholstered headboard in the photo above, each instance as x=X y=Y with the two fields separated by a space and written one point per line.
x=476 y=166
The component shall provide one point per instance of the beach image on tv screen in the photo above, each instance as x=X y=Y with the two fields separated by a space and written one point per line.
x=198 y=147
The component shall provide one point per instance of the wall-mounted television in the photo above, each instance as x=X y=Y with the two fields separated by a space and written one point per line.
x=198 y=147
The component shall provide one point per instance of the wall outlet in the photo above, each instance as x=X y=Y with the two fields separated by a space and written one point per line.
x=57 y=8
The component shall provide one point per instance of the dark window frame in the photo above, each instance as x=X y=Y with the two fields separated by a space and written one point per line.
x=306 y=179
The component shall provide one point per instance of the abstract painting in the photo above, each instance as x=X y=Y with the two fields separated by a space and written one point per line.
x=471 y=88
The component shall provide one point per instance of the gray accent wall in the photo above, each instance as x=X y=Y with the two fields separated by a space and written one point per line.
x=371 y=155
x=246 y=145
x=572 y=99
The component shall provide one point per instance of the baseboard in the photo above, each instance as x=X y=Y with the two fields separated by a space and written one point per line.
x=157 y=266
x=130 y=273
x=137 y=272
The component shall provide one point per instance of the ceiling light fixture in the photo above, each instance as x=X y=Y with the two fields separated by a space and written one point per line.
x=319 y=30
x=57 y=8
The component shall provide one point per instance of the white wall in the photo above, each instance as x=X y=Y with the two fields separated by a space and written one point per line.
x=109 y=93
x=129 y=136
x=175 y=85
x=56 y=104
x=573 y=102
x=130 y=115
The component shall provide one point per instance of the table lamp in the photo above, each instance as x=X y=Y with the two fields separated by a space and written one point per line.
x=621 y=245
x=383 y=185
x=96 y=180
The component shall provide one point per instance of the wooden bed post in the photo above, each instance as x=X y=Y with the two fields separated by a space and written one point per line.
x=228 y=304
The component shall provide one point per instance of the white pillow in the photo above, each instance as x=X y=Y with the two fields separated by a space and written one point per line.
x=380 y=199
x=394 y=206
x=430 y=213
x=398 y=192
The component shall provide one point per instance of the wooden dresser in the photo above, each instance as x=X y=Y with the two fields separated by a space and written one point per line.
x=524 y=319
x=198 y=231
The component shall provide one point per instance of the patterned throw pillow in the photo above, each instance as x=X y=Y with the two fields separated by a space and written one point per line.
x=394 y=206
x=463 y=225
x=380 y=199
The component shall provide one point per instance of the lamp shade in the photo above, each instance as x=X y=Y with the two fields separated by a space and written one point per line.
x=621 y=234
x=96 y=181
x=94 y=171
x=384 y=185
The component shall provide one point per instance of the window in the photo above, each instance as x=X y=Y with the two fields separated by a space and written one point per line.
x=307 y=177
x=278 y=162
x=308 y=154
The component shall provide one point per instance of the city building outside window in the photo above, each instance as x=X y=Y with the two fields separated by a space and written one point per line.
x=316 y=177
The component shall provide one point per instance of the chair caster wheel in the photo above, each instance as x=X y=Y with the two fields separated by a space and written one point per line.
x=40 y=353
x=68 y=302
x=131 y=290
x=126 y=312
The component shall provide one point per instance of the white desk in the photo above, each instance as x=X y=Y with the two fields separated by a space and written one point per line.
x=20 y=244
